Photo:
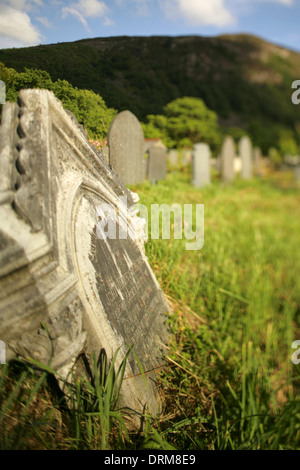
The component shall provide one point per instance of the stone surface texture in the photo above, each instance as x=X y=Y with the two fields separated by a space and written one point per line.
x=66 y=293
x=126 y=148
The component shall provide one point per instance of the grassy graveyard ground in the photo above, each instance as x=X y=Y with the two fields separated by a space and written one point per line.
x=230 y=382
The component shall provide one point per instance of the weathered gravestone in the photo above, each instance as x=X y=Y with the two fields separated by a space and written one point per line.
x=157 y=164
x=105 y=154
x=91 y=291
x=126 y=148
x=246 y=156
x=227 y=159
x=201 y=165
x=173 y=157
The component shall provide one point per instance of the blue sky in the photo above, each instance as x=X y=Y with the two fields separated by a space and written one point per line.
x=32 y=22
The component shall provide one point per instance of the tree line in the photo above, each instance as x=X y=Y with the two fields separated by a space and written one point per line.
x=184 y=121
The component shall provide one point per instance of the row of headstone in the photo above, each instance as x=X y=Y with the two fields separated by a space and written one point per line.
x=135 y=159
x=246 y=163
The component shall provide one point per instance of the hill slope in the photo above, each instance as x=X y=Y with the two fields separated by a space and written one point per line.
x=246 y=80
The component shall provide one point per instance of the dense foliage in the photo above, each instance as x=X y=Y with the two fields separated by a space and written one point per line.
x=185 y=122
x=88 y=107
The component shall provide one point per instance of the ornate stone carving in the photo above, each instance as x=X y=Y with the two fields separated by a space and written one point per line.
x=65 y=291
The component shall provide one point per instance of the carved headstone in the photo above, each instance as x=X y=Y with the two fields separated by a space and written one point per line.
x=157 y=164
x=126 y=148
x=105 y=154
x=92 y=292
x=227 y=159
x=201 y=165
x=246 y=155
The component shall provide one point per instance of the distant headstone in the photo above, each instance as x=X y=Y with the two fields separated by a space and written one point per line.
x=91 y=289
x=227 y=159
x=148 y=143
x=201 y=165
x=157 y=164
x=257 y=160
x=246 y=156
x=237 y=165
x=186 y=157
x=297 y=173
x=126 y=148
x=173 y=157
x=291 y=160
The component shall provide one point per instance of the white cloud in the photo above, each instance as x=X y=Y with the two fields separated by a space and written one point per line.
x=86 y=9
x=16 y=27
x=198 y=12
x=72 y=11
x=45 y=22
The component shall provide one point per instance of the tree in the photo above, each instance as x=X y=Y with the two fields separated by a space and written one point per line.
x=287 y=143
x=93 y=113
x=185 y=122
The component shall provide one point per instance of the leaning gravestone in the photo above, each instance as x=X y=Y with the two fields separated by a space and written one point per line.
x=126 y=148
x=59 y=266
x=157 y=164
x=227 y=159
x=201 y=165
x=246 y=155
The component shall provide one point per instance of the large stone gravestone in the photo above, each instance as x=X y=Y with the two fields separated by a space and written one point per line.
x=227 y=159
x=126 y=148
x=246 y=155
x=157 y=164
x=201 y=165
x=92 y=292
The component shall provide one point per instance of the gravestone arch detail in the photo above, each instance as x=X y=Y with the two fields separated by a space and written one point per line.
x=64 y=291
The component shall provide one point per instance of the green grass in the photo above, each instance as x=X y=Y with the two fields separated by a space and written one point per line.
x=229 y=381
